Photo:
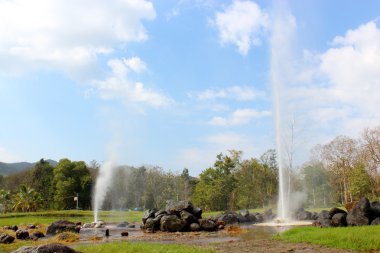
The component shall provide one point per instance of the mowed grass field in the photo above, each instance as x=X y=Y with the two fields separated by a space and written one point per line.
x=364 y=238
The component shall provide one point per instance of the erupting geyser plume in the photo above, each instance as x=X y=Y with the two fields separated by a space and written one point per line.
x=280 y=74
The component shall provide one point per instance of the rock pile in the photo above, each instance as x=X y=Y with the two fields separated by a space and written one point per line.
x=362 y=213
x=177 y=216
x=63 y=226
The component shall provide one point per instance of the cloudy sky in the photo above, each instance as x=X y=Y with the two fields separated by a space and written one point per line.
x=173 y=83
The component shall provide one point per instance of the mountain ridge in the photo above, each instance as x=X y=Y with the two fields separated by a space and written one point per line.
x=10 y=168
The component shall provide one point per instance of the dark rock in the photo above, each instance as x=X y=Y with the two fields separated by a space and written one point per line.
x=268 y=215
x=241 y=218
x=220 y=227
x=336 y=210
x=62 y=226
x=323 y=219
x=124 y=233
x=31 y=226
x=148 y=214
x=314 y=215
x=251 y=218
x=195 y=227
x=207 y=225
x=38 y=234
x=6 y=239
x=244 y=213
x=171 y=223
x=48 y=248
x=79 y=223
x=22 y=234
x=339 y=220
x=14 y=228
x=301 y=214
x=188 y=217
x=375 y=210
x=131 y=225
x=376 y=221
x=229 y=218
x=197 y=212
x=160 y=212
x=122 y=225
x=259 y=218
x=152 y=224
x=360 y=213
x=175 y=207
x=107 y=233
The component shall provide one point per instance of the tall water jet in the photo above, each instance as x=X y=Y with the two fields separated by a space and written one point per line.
x=103 y=180
x=283 y=27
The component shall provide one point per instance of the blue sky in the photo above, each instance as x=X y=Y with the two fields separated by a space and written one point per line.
x=174 y=83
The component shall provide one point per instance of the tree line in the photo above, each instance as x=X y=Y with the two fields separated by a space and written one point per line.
x=340 y=171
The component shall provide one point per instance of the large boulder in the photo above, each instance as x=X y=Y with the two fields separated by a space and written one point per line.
x=195 y=227
x=251 y=218
x=302 y=214
x=207 y=224
x=48 y=248
x=376 y=221
x=22 y=234
x=175 y=207
x=152 y=224
x=171 y=223
x=123 y=224
x=6 y=239
x=323 y=219
x=336 y=210
x=339 y=220
x=375 y=210
x=188 y=217
x=149 y=214
x=360 y=213
x=269 y=215
x=197 y=212
x=228 y=218
x=62 y=226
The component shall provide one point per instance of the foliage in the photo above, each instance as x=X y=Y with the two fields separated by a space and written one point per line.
x=26 y=200
x=257 y=184
x=365 y=238
x=317 y=184
x=5 y=200
x=41 y=179
x=360 y=182
x=70 y=179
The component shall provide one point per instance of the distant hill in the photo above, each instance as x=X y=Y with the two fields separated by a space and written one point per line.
x=10 y=168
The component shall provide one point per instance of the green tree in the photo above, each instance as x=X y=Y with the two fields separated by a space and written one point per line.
x=70 y=179
x=360 y=182
x=26 y=200
x=41 y=179
x=217 y=185
x=317 y=184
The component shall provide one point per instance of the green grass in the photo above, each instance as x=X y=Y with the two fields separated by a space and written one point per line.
x=48 y=217
x=132 y=247
x=355 y=238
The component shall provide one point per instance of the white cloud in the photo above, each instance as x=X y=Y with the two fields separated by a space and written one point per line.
x=135 y=64
x=239 y=93
x=200 y=158
x=241 y=23
x=8 y=157
x=239 y=117
x=119 y=86
x=67 y=35
x=339 y=92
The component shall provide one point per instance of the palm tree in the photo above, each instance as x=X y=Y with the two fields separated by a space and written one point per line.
x=26 y=199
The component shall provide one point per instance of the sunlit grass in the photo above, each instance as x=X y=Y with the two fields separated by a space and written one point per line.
x=131 y=247
x=355 y=238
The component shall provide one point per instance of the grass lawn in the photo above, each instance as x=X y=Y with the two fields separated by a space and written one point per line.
x=131 y=247
x=355 y=238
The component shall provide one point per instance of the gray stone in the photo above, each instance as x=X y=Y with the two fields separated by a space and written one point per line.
x=6 y=239
x=62 y=226
x=48 y=248
x=171 y=223
x=195 y=227
x=339 y=220
x=207 y=225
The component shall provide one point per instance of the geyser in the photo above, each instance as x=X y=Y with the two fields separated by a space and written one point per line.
x=283 y=27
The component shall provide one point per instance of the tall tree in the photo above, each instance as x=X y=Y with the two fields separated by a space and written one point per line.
x=26 y=199
x=70 y=179
x=41 y=179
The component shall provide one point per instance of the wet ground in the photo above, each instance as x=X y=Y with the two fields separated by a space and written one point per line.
x=247 y=238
